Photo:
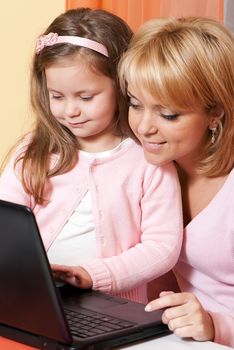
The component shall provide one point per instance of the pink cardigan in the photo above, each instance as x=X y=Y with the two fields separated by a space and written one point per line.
x=137 y=213
x=206 y=263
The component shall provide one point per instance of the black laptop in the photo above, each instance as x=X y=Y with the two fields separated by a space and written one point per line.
x=36 y=312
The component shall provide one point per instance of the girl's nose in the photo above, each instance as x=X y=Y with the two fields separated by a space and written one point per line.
x=71 y=109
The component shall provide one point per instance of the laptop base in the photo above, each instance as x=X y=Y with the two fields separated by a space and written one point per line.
x=46 y=344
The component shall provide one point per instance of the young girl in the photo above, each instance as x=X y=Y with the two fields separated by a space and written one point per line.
x=100 y=206
x=179 y=74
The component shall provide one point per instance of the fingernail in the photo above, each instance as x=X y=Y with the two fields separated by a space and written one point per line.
x=148 y=308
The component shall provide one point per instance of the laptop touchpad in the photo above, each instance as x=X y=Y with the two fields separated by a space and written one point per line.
x=91 y=299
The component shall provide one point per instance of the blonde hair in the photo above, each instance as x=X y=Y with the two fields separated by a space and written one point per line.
x=49 y=137
x=186 y=63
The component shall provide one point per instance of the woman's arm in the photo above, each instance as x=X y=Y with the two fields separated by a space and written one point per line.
x=224 y=328
x=186 y=317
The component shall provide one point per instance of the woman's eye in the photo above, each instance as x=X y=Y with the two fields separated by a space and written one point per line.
x=170 y=116
x=134 y=105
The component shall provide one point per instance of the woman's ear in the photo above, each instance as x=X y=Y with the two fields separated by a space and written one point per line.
x=220 y=112
x=215 y=123
x=216 y=117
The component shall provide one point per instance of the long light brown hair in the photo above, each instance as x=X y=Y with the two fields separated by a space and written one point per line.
x=49 y=137
x=188 y=63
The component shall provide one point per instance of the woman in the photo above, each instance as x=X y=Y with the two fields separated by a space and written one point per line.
x=179 y=76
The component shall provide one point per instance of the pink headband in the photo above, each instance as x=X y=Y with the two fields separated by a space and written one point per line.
x=53 y=38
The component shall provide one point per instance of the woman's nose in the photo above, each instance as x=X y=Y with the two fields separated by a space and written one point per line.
x=147 y=125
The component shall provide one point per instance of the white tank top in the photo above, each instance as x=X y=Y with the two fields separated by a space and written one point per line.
x=76 y=243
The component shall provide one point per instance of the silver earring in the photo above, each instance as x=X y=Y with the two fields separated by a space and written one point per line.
x=213 y=136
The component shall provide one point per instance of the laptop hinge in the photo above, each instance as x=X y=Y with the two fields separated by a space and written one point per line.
x=48 y=345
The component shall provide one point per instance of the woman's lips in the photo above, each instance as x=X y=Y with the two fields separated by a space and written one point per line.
x=153 y=146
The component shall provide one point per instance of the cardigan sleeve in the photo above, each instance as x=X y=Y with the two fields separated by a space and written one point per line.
x=224 y=328
x=160 y=242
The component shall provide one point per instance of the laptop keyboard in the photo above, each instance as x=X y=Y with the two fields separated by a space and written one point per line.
x=86 y=323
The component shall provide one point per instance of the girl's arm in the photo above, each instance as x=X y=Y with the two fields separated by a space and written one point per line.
x=160 y=242
x=74 y=275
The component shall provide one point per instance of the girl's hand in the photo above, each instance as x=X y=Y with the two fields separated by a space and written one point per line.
x=184 y=315
x=74 y=275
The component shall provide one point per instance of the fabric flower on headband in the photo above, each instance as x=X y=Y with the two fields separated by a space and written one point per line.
x=46 y=40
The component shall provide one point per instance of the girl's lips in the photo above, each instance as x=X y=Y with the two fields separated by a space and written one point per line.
x=78 y=124
x=153 y=146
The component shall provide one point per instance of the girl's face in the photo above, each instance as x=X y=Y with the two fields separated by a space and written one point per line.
x=164 y=133
x=84 y=102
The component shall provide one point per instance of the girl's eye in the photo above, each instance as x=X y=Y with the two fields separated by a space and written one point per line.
x=56 y=97
x=86 y=98
x=170 y=116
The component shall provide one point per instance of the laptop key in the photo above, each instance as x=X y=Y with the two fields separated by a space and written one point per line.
x=86 y=323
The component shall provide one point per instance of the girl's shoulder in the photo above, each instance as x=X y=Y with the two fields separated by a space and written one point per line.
x=17 y=150
x=136 y=154
x=22 y=144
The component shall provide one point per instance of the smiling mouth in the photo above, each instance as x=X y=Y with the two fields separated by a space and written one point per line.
x=77 y=123
x=153 y=146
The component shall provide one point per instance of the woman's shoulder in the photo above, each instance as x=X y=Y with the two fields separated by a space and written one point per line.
x=231 y=175
x=229 y=182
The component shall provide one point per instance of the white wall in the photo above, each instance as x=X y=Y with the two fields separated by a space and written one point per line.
x=20 y=23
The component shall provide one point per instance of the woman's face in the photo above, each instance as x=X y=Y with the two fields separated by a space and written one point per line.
x=166 y=134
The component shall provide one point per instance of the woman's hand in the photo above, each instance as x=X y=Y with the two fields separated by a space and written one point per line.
x=184 y=315
x=74 y=275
